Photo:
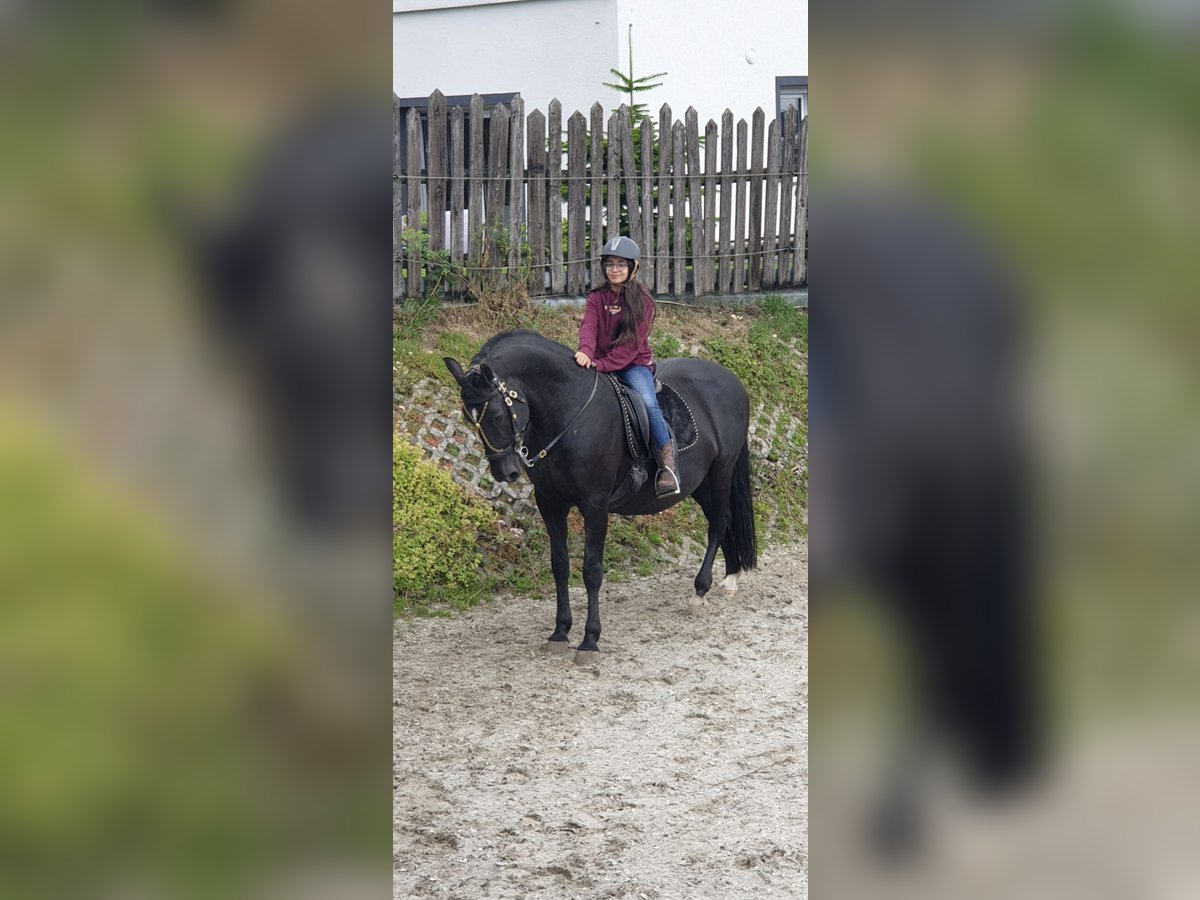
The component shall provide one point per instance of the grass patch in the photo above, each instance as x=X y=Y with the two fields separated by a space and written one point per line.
x=766 y=345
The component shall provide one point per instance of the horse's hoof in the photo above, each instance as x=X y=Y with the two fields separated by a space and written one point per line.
x=587 y=657
x=697 y=606
x=729 y=585
x=558 y=648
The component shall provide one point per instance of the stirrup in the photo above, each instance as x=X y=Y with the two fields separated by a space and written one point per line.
x=669 y=491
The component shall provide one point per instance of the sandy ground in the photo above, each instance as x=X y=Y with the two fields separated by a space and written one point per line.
x=676 y=768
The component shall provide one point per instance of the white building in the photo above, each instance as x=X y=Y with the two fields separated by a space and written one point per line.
x=716 y=55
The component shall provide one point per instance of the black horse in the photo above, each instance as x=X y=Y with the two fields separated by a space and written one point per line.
x=535 y=408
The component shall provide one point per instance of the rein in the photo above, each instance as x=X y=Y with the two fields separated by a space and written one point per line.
x=518 y=440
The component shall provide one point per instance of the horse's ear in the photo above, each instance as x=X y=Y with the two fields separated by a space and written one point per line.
x=486 y=371
x=454 y=367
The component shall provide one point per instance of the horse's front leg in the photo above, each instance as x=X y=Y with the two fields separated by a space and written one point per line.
x=595 y=525
x=555 y=517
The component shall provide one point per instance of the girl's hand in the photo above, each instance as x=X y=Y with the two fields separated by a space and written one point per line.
x=583 y=359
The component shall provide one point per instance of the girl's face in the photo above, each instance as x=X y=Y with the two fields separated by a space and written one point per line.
x=616 y=270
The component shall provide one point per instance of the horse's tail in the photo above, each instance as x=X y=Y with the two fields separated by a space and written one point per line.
x=741 y=516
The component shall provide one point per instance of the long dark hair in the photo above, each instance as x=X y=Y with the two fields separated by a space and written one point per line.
x=637 y=299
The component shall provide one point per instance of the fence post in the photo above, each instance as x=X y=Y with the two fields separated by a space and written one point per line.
x=537 y=202
x=633 y=208
x=516 y=183
x=576 y=150
x=710 y=205
x=647 y=177
x=662 y=281
x=802 y=208
x=397 y=205
x=412 y=251
x=475 y=201
x=739 y=219
x=679 y=212
x=770 y=210
x=554 y=192
x=612 y=202
x=456 y=186
x=695 y=201
x=756 y=201
x=596 y=201
x=497 y=177
x=726 y=230
x=435 y=164
x=788 y=167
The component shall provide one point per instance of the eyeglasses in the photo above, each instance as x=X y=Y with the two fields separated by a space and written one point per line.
x=616 y=264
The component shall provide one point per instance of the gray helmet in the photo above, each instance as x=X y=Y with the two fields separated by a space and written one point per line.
x=622 y=247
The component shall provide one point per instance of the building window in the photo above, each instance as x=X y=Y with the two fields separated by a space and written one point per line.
x=791 y=90
x=421 y=105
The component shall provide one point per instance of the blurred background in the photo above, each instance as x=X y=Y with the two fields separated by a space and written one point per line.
x=195 y=640
x=1006 y=449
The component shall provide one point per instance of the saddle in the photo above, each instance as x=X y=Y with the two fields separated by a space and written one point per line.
x=636 y=424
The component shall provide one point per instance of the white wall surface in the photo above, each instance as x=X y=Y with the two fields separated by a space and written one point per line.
x=702 y=45
x=565 y=49
x=539 y=48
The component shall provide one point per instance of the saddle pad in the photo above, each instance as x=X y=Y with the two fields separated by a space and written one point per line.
x=679 y=417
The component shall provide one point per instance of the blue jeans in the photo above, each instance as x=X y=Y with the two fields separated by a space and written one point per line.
x=641 y=379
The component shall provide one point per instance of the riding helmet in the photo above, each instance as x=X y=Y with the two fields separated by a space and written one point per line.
x=623 y=247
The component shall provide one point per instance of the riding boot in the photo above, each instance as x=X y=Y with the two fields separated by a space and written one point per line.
x=668 y=481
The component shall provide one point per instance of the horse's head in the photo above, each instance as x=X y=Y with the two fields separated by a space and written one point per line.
x=490 y=410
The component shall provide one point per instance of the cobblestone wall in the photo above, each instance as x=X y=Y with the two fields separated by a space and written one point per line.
x=431 y=418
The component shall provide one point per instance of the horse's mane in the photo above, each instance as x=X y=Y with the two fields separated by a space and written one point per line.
x=523 y=337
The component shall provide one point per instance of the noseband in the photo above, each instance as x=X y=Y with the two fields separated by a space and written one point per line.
x=511 y=397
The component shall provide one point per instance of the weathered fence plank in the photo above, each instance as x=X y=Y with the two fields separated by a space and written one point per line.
x=695 y=208
x=802 y=208
x=662 y=274
x=788 y=167
x=771 y=209
x=413 y=251
x=456 y=185
x=596 y=201
x=576 y=153
x=633 y=208
x=475 y=202
x=436 y=165
x=554 y=195
x=754 y=250
x=516 y=182
x=724 y=269
x=612 y=200
x=739 y=217
x=678 y=215
x=397 y=204
x=710 y=207
x=497 y=181
x=537 y=203
x=646 y=133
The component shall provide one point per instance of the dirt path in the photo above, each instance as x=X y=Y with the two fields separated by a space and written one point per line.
x=677 y=768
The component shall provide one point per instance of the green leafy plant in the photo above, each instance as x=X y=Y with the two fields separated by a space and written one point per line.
x=631 y=85
x=436 y=527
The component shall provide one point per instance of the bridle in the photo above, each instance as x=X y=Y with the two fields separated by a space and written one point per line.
x=510 y=398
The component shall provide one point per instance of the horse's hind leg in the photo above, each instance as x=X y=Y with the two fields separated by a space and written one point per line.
x=555 y=518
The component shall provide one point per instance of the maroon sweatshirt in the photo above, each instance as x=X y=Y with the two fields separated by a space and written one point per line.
x=599 y=329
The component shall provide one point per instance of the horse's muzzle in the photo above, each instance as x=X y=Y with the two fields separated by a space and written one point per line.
x=506 y=468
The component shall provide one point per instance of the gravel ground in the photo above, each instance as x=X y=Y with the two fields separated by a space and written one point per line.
x=675 y=768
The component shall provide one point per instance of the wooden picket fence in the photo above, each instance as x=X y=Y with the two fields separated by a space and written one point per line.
x=468 y=214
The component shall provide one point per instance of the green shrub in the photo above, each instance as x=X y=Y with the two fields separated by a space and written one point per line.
x=436 y=527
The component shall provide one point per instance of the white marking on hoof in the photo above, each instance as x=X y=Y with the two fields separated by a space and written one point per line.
x=729 y=584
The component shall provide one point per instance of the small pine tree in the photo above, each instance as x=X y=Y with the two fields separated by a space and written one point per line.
x=628 y=84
